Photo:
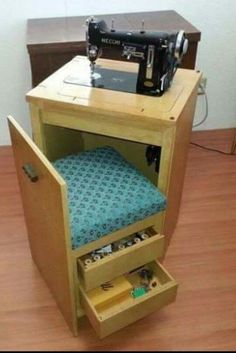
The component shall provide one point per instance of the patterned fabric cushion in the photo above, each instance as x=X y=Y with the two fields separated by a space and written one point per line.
x=105 y=193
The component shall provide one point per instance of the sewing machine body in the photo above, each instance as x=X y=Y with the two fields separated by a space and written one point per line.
x=157 y=53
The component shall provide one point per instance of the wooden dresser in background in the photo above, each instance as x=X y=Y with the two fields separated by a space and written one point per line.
x=52 y=42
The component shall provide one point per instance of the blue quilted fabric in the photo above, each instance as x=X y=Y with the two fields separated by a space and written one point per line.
x=105 y=193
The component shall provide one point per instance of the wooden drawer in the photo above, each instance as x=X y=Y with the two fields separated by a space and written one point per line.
x=126 y=310
x=121 y=261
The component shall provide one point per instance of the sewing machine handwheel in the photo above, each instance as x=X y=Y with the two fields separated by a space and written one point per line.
x=181 y=45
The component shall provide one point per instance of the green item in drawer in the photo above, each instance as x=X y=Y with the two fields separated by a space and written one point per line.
x=138 y=292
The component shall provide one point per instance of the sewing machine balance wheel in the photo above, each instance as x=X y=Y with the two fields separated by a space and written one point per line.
x=181 y=45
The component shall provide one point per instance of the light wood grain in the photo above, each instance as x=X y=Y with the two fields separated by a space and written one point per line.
x=201 y=258
x=128 y=310
x=124 y=106
x=99 y=297
x=121 y=261
x=46 y=216
x=171 y=176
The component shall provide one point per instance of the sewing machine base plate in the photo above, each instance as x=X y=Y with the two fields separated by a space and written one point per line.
x=105 y=78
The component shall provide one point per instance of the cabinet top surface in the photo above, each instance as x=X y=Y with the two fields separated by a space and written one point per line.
x=61 y=30
x=55 y=94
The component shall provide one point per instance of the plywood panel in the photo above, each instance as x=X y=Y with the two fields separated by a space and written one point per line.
x=47 y=225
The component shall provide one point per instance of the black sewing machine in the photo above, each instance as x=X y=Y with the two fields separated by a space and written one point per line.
x=158 y=54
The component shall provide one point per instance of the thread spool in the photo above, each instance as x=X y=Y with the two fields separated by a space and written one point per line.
x=140 y=233
x=129 y=243
x=137 y=240
x=144 y=236
x=88 y=262
x=96 y=257
x=121 y=247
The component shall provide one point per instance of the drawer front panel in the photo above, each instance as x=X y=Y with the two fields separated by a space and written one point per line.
x=121 y=261
x=127 y=310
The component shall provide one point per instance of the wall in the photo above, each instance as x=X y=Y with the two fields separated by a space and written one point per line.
x=216 y=55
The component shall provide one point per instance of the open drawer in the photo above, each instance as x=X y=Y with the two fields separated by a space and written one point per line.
x=126 y=309
x=120 y=261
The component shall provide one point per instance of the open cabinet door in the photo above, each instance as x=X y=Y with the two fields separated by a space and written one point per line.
x=44 y=197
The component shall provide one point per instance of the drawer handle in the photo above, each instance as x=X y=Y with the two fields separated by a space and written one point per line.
x=30 y=172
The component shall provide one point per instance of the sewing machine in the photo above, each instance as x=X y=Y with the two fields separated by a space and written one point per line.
x=157 y=53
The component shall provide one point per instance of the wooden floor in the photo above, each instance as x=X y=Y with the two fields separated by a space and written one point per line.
x=202 y=257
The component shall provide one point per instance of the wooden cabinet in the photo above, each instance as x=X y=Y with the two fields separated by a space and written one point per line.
x=52 y=42
x=45 y=203
x=68 y=118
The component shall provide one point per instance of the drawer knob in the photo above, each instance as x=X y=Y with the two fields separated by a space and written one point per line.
x=30 y=172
